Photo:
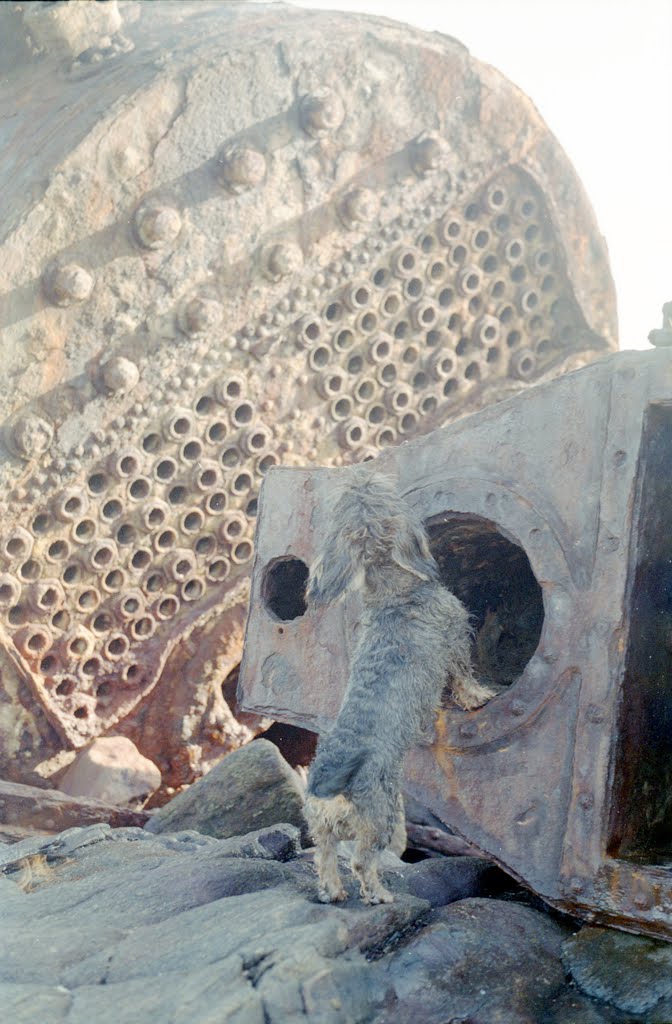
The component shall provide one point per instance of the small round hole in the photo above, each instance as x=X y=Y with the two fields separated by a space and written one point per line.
x=42 y=523
x=192 y=451
x=126 y=534
x=139 y=489
x=151 y=442
x=177 y=495
x=85 y=529
x=141 y=559
x=111 y=509
x=216 y=503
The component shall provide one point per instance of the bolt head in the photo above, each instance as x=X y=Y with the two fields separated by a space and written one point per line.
x=31 y=435
x=120 y=374
x=426 y=153
x=321 y=112
x=359 y=207
x=67 y=284
x=157 y=226
x=241 y=168
x=281 y=260
x=201 y=314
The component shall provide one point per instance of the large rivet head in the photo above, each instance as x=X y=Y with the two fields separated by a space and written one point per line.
x=241 y=168
x=31 y=435
x=321 y=112
x=200 y=314
x=157 y=225
x=281 y=260
x=427 y=153
x=359 y=207
x=66 y=284
x=119 y=374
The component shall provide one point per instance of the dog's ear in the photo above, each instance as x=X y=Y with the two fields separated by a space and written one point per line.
x=332 y=572
x=410 y=551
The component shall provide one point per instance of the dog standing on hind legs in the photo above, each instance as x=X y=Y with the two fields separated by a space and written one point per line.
x=414 y=639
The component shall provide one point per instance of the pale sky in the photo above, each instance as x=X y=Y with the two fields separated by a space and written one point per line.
x=600 y=73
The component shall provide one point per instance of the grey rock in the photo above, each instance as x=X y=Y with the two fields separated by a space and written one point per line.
x=571 y=1007
x=442 y=880
x=629 y=972
x=126 y=926
x=27 y=808
x=479 y=960
x=251 y=788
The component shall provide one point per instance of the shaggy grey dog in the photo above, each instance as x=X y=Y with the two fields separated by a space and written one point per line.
x=414 y=639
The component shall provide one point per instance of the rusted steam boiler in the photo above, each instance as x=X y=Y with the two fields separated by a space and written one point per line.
x=550 y=516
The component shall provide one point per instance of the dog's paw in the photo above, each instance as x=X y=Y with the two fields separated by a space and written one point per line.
x=471 y=695
x=331 y=895
x=379 y=896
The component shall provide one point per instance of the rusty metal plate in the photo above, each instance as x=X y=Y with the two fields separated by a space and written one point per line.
x=550 y=515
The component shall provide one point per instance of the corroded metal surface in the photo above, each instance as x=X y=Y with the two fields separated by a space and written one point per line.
x=237 y=237
x=550 y=516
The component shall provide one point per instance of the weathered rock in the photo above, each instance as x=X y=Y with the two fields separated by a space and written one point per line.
x=442 y=880
x=133 y=926
x=48 y=810
x=629 y=972
x=251 y=788
x=480 y=960
x=112 y=769
x=122 y=926
x=571 y=1007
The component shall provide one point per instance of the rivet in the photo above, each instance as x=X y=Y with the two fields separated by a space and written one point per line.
x=200 y=314
x=359 y=207
x=241 y=168
x=119 y=374
x=586 y=801
x=67 y=284
x=516 y=708
x=426 y=152
x=468 y=729
x=31 y=435
x=157 y=225
x=321 y=112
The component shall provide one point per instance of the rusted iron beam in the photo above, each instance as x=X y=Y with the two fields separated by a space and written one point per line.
x=551 y=517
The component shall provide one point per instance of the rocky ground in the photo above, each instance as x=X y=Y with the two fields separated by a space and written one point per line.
x=167 y=923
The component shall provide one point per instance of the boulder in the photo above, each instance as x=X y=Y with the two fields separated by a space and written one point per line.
x=484 y=961
x=629 y=972
x=122 y=926
x=442 y=880
x=111 y=768
x=251 y=788
x=27 y=809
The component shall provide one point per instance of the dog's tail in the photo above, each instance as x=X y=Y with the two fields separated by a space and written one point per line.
x=338 y=779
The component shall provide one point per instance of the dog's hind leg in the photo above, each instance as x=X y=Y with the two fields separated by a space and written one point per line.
x=365 y=868
x=330 y=885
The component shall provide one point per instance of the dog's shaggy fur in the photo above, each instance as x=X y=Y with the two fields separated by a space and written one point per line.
x=414 y=639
